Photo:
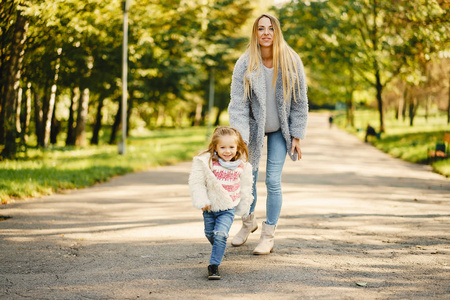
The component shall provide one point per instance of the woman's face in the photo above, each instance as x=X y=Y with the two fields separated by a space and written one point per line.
x=265 y=32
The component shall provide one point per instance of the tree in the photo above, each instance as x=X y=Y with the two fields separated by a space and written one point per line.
x=368 y=37
x=425 y=33
x=13 y=69
x=72 y=62
x=327 y=48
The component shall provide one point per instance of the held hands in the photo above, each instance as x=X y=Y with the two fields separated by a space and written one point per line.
x=207 y=208
x=296 y=147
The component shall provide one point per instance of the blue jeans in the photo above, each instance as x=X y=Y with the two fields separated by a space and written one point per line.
x=217 y=226
x=276 y=156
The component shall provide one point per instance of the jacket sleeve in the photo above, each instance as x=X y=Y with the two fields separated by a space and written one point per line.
x=243 y=208
x=197 y=185
x=239 y=108
x=298 y=118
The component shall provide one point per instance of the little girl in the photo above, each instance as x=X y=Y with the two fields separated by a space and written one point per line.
x=221 y=186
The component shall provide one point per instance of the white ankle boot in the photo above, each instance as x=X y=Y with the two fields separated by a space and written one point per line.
x=265 y=245
x=248 y=225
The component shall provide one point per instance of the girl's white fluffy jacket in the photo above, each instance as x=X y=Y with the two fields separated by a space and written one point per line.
x=206 y=190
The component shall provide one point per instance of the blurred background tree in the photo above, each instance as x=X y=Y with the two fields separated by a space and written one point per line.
x=374 y=45
x=61 y=67
x=60 y=62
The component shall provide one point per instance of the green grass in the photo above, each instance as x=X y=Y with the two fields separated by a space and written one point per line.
x=43 y=172
x=410 y=143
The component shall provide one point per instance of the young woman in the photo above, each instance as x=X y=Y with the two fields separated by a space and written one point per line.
x=268 y=98
x=221 y=186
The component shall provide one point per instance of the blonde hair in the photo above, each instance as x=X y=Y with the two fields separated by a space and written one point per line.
x=284 y=59
x=221 y=131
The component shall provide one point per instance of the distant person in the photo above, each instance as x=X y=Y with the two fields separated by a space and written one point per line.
x=268 y=98
x=370 y=131
x=221 y=186
x=330 y=120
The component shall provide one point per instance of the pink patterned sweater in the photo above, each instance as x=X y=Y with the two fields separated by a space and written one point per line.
x=229 y=179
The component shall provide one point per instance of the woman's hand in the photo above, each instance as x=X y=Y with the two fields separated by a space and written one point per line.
x=207 y=208
x=296 y=146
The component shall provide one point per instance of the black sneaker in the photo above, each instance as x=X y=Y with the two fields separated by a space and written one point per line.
x=213 y=272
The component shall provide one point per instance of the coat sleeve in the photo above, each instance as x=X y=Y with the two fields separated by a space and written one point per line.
x=243 y=208
x=298 y=118
x=197 y=185
x=239 y=108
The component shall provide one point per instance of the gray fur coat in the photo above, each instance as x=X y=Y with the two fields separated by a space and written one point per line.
x=249 y=116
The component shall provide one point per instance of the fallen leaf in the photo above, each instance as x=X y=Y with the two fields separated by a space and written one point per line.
x=361 y=283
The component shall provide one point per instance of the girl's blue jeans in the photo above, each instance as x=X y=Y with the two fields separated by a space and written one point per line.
x=276 y=156
x=217 y=226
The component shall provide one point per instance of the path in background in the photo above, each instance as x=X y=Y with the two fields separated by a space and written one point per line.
x=355 y=224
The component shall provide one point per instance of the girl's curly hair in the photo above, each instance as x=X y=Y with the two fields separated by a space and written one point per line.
x=242 y=151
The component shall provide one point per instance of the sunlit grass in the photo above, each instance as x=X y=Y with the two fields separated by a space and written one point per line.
x=410 y=143
x=42 y=172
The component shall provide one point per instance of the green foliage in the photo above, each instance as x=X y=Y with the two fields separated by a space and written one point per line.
x=172 y=46
x=351 y=46
x=42 y=172
x=442 y=167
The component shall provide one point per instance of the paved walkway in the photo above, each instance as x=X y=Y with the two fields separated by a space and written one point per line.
x=355 y=224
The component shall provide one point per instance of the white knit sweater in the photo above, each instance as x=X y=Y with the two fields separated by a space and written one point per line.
x=206 y=189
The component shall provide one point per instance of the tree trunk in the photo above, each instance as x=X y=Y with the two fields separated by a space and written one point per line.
x=80 y=129
x=219 y=112
x=448 y=106
x=55 y=129
x=350 y=111
x=198 y=114
x=413 y=105
x=70 y=139
x=179 y=119
x=401 y=105
x=404 y=110
x=160 y=119
x=397 y=109
x=98 y=122
x=18 y=110
x=379 y=89
x=48 y=113
x=115 y=127
x=27 y=117
x=350 y=106
x=52 y=102
x=222 y=100
x=411 y=113
x=45 y=104
x=427 y=106
x=38 y=116
x=8 y=116
x=129 y=110
x=376 y=46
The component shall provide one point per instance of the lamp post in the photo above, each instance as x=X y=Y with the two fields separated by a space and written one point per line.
x=126 y=7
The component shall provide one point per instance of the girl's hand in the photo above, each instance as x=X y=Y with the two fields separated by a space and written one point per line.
x=296 y=146
x=207 y=207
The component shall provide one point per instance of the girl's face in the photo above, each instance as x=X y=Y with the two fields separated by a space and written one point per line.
x=226 y=147
x=265 y=32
